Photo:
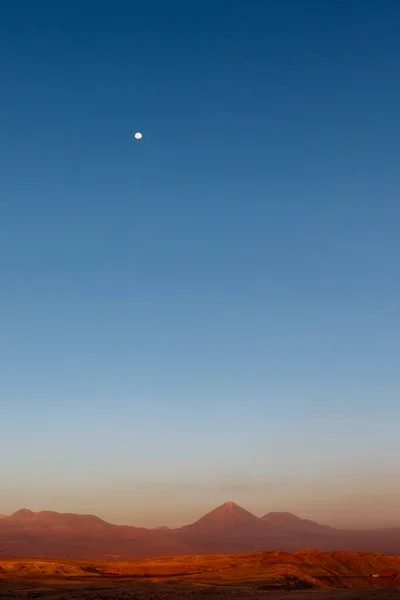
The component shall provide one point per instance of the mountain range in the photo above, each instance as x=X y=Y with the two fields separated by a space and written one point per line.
x=227 y=529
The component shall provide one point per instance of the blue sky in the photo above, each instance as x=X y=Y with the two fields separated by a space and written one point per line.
x=215 y=309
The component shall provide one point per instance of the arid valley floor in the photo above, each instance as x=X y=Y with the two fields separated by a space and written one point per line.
x=276 y=575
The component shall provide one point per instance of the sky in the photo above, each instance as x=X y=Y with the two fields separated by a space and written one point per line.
x=211 y=313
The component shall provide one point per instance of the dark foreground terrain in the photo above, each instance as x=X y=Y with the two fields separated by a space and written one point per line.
x=139 y=590
x=274 y=575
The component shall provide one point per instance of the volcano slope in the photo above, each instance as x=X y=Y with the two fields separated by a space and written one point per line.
x=310 y=574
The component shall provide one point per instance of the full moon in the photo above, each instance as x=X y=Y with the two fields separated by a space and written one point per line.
x=138 y=136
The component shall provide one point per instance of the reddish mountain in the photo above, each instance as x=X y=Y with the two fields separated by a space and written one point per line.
x=22 y=515
x=54 y=520
x=227 y=529
x=297 y=533
x=227 y=517
x=288 y=521
x=48 y=534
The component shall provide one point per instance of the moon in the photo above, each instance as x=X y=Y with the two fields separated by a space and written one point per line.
x=138 y=136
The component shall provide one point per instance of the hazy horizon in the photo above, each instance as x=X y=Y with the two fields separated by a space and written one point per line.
x=211 y=312
x=152 y=504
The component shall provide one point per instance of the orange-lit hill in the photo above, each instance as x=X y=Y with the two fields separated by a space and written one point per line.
x=266 y=570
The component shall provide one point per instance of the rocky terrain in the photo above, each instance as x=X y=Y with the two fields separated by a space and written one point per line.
x=280 y=575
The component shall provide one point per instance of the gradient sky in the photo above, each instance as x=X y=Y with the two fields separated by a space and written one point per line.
x=212 y=313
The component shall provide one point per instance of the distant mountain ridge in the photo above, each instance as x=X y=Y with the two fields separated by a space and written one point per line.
x=227 y=529
x=24 y=515
x=290 y=521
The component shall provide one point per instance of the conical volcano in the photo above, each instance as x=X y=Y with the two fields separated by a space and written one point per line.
x=226 y=529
